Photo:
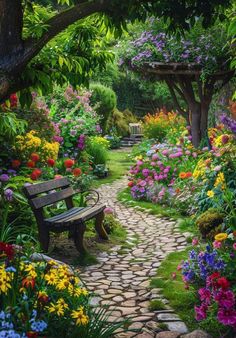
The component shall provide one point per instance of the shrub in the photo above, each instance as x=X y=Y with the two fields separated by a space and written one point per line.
x=209 y=222
x=120 y=121
x=97 y=151
x=105 y=98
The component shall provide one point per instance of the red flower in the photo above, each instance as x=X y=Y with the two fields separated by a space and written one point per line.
x=30 y=164
x=8 y=249
x=34 y=157
x=35 y=174
x=223 y=283
x=77 y=172
x=15 y=163
x=131 y=184
x=28 y=282
x=13 y=100
x=69 y=163
x=31 y=334
x=51 y=162
x=225 y=139
x=215 y=275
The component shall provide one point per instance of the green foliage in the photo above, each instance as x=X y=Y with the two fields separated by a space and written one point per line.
x=209 y=223
x=98 y=153
x=154 y=131
x=120 y=121
x=105 y=99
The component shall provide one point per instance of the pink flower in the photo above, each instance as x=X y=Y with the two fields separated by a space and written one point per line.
x=217 y=168
x=225 y=299
x=205 y=295
x=179 y=267
x=153 y=164
x=108 y=211
x=200 y=312
x=234 y=246
x=195 y=241
x=139 y=162
x=155 y=157
x=194 y=155
x=165 y=152
x=173 y=275
x=187 y=152
x=227 y=317
x=217 y=244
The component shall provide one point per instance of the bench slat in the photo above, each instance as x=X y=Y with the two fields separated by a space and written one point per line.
x=43 y=201
x=35 y=189
x=64 y=215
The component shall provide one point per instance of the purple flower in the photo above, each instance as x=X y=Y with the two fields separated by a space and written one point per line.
x=4 y=177
x=225 y=299
x=8 y=193
x=227 y=317
x=205 y=295
x=200 y=312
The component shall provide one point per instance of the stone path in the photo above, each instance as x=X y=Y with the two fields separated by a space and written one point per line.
x=121 y=280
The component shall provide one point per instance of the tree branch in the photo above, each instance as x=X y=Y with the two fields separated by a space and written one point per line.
x=56 y=25
x=174 y=97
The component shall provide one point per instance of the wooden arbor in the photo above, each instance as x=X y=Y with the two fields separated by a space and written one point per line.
x=185 y=80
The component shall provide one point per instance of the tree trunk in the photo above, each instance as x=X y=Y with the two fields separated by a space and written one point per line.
x=196 y=124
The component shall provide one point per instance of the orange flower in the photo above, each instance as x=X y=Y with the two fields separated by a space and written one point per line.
x=28 y=282
x=15 y=163
x=182 y=175
x=177 y=190
x=77 y=172
x=69 y=163
x=189 y=174
x=30 y=164
x=34 y=157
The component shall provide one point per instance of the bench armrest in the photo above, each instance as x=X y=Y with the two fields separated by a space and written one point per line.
x=91 y=196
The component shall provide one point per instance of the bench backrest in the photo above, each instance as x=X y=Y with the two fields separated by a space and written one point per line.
x=62 y=188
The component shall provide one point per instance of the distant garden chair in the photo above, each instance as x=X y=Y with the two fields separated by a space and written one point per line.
x=135 y=130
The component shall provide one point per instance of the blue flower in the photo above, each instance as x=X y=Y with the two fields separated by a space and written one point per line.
x=10 y=269
x=39 y=325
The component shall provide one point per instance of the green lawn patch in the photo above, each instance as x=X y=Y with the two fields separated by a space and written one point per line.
x=118 y=163
x=156 y=304
x=182 y=301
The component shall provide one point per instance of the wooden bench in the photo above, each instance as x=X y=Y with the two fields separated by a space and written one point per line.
x=73 y=220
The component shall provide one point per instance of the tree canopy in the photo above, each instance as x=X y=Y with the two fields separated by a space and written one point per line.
x=33 y=24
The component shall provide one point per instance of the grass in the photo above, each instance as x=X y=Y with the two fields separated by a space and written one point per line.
x=181 y=300
x=118 y=164
x=186 y=224
x=156 y=304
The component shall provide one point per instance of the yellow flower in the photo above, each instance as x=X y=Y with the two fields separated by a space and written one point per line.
x=220 y=180
x=80 y=316
x=5 y=279
x=62 y=284
x=31 y=270
x=58 y=308
x=51 y=278
x=221 y=237
x=210 y=193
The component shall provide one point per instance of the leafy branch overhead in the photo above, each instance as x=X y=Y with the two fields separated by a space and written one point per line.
x=60 y=40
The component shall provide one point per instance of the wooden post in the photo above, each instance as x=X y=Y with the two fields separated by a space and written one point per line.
x=99 y=226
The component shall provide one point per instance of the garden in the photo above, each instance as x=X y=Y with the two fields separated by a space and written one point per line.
x=74 y=77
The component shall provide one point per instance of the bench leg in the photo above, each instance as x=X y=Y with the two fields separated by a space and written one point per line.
x=44 y=238
x=99 y=227
x=79 y=237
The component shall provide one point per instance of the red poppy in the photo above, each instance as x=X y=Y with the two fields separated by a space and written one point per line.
x=34 y=157
x=77 y=172
x=131 y=184
x=30 y=164
x=13 y=100
x=69 y=163
x=51 y=162
x=15 y=163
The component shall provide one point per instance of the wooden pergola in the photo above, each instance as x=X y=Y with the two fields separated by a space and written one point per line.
x=185 y=80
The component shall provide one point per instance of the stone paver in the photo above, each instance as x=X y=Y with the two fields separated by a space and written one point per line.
x=121 y=279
